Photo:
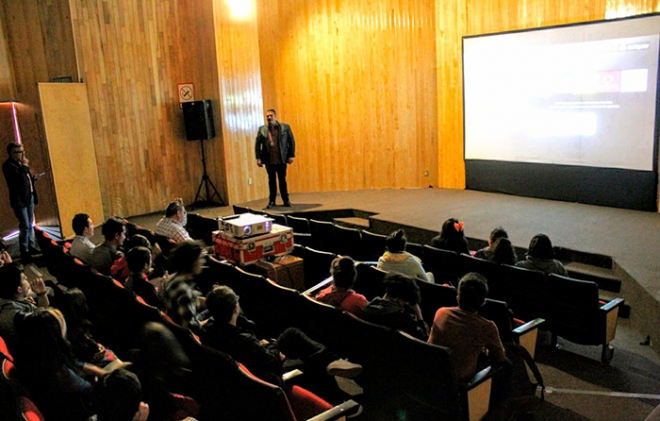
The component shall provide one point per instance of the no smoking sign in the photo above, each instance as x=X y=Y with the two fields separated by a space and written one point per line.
x=186 y=92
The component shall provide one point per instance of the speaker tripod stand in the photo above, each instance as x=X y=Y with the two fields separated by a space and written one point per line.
x=208 y=185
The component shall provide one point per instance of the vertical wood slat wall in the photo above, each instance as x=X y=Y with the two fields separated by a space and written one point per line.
x=132 y=55
x=356 y=82
x=372 y=89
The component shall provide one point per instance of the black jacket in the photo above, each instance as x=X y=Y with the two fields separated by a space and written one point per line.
x=286 y=141
x=18 y=179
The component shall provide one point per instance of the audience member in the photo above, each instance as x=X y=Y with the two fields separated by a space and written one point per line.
x=496 y=233
x=82 y=246
x=452 y=237
x=5 y=258
x=73 y=306
x=139 y=263
x=118 y=397
x=399 y=308
x=540 y=256
x=105 y=254
x=503 y=252
x=163 y=369
x=119 y=269
x=172 y=225
x=15 y=300
x=466 y=333
x=341 y=294
x=48 y=369
x=397 y=259
x=230 y=332
x=178 y=293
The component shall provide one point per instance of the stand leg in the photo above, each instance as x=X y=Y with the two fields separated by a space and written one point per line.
x=206 y=181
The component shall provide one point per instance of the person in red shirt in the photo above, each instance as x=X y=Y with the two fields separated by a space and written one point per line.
x=466 y=333
x=340 y=293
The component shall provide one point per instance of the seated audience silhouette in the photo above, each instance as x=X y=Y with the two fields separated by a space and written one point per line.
x=452 y=237
x=540 y=256
x=503 y=252
x=82 y=246
x=496 y=233
x=105 y=254
x=341 y=294
x=466 y=333
x=139 y=263
x=231 y=332
x=399 y=307
x=172 y=225
x=118 y=397
x=397 y=259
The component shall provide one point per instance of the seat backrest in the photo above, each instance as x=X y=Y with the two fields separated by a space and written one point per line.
x=415 y=249
x=201 y=228
x=217 y=272
x=523 y=290
x=272 y=306
x=435 y=296
x=323 y=235
x=443 y=264
x=467 y=264
x=298 y=224
x=316 y=264
x=373 y=245
x=279 y=218
x=349 y=242
x=369 y=281
x=498 y=312
x=240 y=209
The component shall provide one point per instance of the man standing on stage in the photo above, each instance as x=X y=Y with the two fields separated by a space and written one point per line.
x=22 y=196
x=275 y=148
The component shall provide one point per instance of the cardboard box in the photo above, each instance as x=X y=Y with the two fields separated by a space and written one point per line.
x=245 y=251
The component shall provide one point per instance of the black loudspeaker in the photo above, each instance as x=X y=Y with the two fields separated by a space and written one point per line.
x=198 y=119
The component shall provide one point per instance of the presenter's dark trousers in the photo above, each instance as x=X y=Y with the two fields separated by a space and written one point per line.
x=277 y=173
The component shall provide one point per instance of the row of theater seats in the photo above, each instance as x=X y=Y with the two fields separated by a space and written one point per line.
x=571 y=307
x=13 y=395
x=224 y=389
x=401 y=375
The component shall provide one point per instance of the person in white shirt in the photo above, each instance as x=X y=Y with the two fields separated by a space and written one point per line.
x=82 y=247
x=172 y=225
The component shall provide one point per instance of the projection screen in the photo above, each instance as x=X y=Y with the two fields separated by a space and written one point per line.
x=567 y=112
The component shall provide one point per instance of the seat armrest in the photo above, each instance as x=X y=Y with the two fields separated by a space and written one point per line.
x=318 y=287
x=338 y=412
x=528 y=327
x=476 y=395
x=290 y=375
x=527 y=335
x=481 y=377
x=611 y=305
x=368 y=262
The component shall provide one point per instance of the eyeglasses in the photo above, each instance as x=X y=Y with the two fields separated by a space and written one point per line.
x=22 y=151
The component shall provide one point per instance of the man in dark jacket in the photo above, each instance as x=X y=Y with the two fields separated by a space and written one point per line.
x=275 y=148
x=22 y=195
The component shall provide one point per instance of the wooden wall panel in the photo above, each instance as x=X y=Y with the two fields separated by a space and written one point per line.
x=357 y=83
x=6 y=74
x=39 y=44
x=132 y=55
x=237 y=52
x=71 y=152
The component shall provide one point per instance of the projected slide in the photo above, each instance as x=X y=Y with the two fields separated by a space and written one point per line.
x=576 y=95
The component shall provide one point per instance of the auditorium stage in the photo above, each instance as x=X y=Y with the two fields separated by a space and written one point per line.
x=630 y=238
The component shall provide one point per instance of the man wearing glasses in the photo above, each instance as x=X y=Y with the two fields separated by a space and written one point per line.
x=22 y=196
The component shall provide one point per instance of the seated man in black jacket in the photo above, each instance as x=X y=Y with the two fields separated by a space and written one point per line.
x=399 y=307
x=230 y=332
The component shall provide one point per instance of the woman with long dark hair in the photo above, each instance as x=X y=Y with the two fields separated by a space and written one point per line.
x=452 y=237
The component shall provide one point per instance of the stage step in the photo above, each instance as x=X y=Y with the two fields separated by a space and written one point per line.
x=353 y=222
x=605 y=278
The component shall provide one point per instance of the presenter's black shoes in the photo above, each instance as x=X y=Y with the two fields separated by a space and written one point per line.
x=270 y=205
x=287 y=204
